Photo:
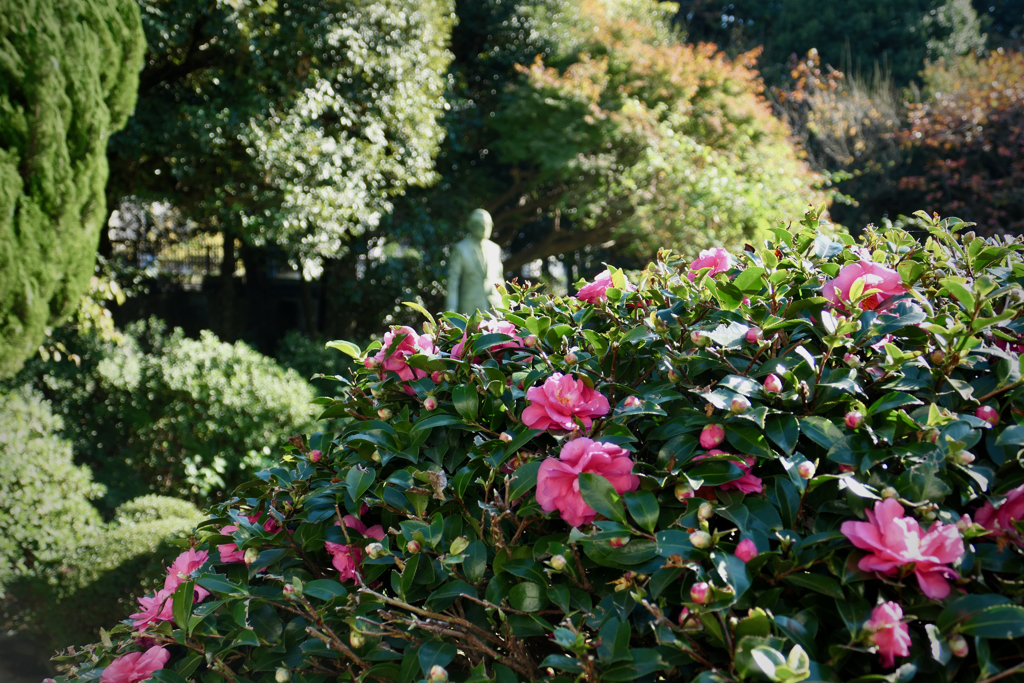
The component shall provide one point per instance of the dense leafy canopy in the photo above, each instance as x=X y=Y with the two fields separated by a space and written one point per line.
x=68 y=80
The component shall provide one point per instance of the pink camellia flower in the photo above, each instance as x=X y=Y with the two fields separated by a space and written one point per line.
x=717 y=259
x=746 y=550
x=886 y=281
x=394 y=359
x=712 y=435
x=492 y=327
x=182 y=567
x=558 y=486
x=597 y=291
x=136 y=666
x=894 y=541
x=1001 y=519
x=889 y=634
x=633 y=402
x=554 y=404
x=346 y=559
x=988 y=414
x=229 y=552
x=154 y=610
x=376 y=532
x=772 y=384
x=748 y=483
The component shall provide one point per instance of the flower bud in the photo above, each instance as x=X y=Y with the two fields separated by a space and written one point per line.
x=964 y=458
x=706 y=511
x=700 y=338
x=673 y=376
x=289 y=590
x=571 y=359
x=282 y=675
x=988 y=414
x=356 y=639
x=557 y=562
x=437 y=376
x=375 y=456
x=700 y=593
x=772 y=384
x=438 y=674
x=683 y=491
x=412 y=547
x=375 y=551
x=384 y=413
x=938 y=357
x=682 y=615
x=531 y=340
x=430 y=403
x=854 y=419
x=712 y=435
x=754 y=335
x=370 y=363
x=506 y=437
x=964 y=523
x=739 y=405
x=958 y=645
x=806 y=469
x=633 y=402
x=890 y=492
x=251 y=555
x=700 y=539
x=315 y=455
x=852 y=360
x=746 y=550
x=619 y=542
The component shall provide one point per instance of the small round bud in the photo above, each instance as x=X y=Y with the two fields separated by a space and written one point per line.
x=315 y=455
x=412 y=547
x=375 y=456
x=806 y=469
x=746 y=550
x=890 y=492
x=375 y=551
x=384 y=413
x=700 y=338
x=437 y=376
x=430 y=403
x=712 y=435
x=251 y=555
x=356 y=639
x=506 y=437
x=438 y=674
x=531 y=341
x=700 y=539
x=739 y=405
x=988 y=414
x=938 y=357
x=773 y=384
x=852 y=360
x=673 y=376
x=683 y=491
x=571 y=359
x=557 y=562
x=289 y=590
x=370 y=363
x=754 y=335
x=633 y=402
x=706 y=511
x=700 y=593
x=958 y=645
x=854 y=419
x=964 y=458
x=282 y=675
x=619 y=542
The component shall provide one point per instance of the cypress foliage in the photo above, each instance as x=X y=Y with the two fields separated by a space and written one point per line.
x=69 y=73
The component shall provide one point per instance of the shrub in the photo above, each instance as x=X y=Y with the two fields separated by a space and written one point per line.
x=796 y=463
x=44 y=496
x=186 y=417
x=309 y=357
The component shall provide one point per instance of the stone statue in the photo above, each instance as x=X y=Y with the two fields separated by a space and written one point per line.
x=474 y=268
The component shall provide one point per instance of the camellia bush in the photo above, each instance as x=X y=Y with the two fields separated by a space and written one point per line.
x=797 y=463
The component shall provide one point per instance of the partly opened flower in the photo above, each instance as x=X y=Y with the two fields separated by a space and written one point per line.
x=136 y=666
x=392 y=357
x=717 y=259
x=561 y=398
x=346 y=559
x=154 y=610
x=895 y=541
x=748 y=483
x=1002 y=518
x=182 y=567
x=597 y=291
x=558 y=486
x=889 y=634
x=887 y=282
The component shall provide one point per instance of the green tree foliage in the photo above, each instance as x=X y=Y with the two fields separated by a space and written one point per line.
x=160 y=413
x=295 y=121
x=965 y=142
x=68 y=81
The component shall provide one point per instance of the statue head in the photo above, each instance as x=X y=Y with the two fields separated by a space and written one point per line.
x=479 y=224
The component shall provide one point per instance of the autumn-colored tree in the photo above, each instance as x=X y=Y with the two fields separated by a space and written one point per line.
x=965 y=142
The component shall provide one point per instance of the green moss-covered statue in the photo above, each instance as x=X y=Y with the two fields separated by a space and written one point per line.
x=69 y=72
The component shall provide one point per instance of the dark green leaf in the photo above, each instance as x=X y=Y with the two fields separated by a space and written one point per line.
x=783 y=430
x=434 y=653
x=528 y=597
x=467 y=401
x=643 y=506
x=599 y=494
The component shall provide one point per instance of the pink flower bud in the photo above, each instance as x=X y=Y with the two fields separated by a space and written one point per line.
x=958 y=645
x=712 y=435
x=706 y=511
x=964 y=458
x=288 y=589
x=964 y=523
x=438 y=674
x=988 y=414
x=746 y=301
x=531 y=340
x=370 y=362
x=700 y=539
x=618 y=542
x=633 y=402
x=673 y=376
x=570 y=358
x=754 y=335
x=437 y=377
x=746 y=550
x=315 y=455
x=375 y=551
x=847 y=468
x=384 y=413
x=412 y=547
x=739 y=405
x=938 y=357
x=430 y=403
x=700 y=593
x=772 y=384
x=854 y=419
x=683 y=491
x=806 y=469
x=557 y=562
x=506 y=437
x=682 y=615
x=699 y=338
